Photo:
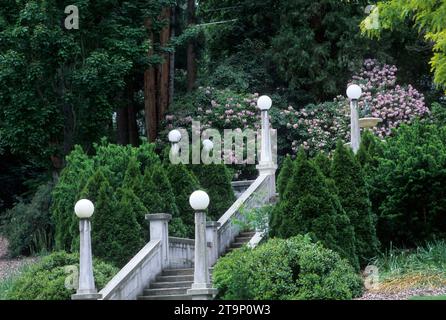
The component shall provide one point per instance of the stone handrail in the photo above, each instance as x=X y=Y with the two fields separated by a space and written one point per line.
x=181 y=253
x=256 y=195
x=130 y=281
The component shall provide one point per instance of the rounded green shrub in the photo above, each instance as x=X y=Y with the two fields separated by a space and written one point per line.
x=291 y=269
x=46 y=279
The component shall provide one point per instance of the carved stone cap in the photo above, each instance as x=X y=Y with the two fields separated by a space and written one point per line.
x=158 y=216
x=213 y=224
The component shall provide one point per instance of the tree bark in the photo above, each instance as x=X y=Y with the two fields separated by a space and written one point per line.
x=191 y=55
x=163 y=69
x=172 y=58
x=150 y=103
x=123 y=128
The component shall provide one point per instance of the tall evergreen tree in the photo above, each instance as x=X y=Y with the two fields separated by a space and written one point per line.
x=308 y=206
x=348 y=176
x=185 y=184
x=285 y=172
x=216 y=179
x=127 y=231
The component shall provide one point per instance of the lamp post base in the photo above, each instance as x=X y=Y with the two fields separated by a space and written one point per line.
x=202 y=294
x=86 y=296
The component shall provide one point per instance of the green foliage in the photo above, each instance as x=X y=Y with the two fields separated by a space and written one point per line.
x=438 y=114
x=215 y=179
x=72 y=179
x=292 y=269
x=126 y=231
x=309 y=206
x=427 y=19
x=407 y=185
x=29 y=227
x=60 y=87
x=286 y=171
x=263 y=42
x=185 y=184
x=113 y=180
x=46 y=279
x=353 y=195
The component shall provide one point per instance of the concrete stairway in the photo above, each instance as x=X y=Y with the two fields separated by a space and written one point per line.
x=239 y=241
x=173 y=284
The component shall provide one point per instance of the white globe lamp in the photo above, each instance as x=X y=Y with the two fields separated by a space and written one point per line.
x=199 y=200
x=264 y=103
x=84 y=209
x=354 y=92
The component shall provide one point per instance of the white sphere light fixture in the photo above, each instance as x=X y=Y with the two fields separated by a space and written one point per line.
x=199 y=200
x=354 y=92
x=84 y=209
x=264 y=103
x=208 y=145
x=174 y=136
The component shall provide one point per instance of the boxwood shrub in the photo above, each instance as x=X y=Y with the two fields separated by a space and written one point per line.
x=291 y=269
x=46 y=279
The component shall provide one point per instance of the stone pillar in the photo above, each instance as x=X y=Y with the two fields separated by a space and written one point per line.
x=212 y=239
x=159 y=230
x=201 y=288
x=266 y=164
x=87 y=289
x=355 y=131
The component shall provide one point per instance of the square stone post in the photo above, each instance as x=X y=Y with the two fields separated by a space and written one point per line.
x=159 y=230
x=212 y=239
x=201 y=288
x=87 y=289
x=355 y=130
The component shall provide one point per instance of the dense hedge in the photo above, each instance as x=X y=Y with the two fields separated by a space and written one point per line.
x=295 y=268
x=46 y=279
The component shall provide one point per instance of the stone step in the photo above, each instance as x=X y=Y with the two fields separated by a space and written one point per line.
x=166 y=297
x=166 y=291
x=238 y=244
x=242 y=239
x=175 y=278
x=178 y=272
x=246 y=234
x=178 y=284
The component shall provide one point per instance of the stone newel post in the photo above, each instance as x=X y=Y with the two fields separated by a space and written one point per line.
x=159 y=230
x=354 y=92
x=266 y=164
x=212 y=239
x=86 y=291
x=201 y=288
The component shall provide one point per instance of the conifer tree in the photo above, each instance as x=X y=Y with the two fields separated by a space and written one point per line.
x=309 y=206
x=133 y=177
x=285 y=172
x=127 y=232
x=185 y=184
x=216 y=179
x=348 y=177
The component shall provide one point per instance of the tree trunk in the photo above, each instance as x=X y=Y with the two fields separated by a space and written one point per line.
x=163 y=69
x=172 y=58
x=123 y=128
x=150 y=103
x=191 y=55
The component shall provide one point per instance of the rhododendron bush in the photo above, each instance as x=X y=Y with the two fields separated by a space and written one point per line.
x=317 y=127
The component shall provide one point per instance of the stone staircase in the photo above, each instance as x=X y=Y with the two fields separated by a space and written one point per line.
x=172 y=284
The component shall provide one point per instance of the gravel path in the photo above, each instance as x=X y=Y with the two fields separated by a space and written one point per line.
x=7 y=265
x=403 y=295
